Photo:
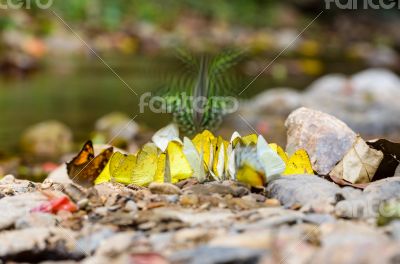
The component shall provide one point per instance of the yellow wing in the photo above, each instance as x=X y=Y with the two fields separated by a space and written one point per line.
x=205 y=143
x=146 y=165
x=178 y=164
x=220 y=158
x=246 y=140
x=105 y=175
x=299 y=163
x=160 y=172
x=248 y=175
x=122 y=167
x=195 y=159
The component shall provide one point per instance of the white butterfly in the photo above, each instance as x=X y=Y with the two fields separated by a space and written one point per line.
x=269 y=159
x=165 y=135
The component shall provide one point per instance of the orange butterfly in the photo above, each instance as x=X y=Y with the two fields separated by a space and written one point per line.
x=85 y=167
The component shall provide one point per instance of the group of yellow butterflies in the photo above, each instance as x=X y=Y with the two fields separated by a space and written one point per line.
x=249 y=159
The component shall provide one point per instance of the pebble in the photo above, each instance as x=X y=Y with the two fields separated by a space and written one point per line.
x=189 y=200
x=242 y=204
x=9 y=185
x=75 y=192
x=82 y=203
x=192 y=235
x=163 y=188
x=131 y=206
x=36 y=220
x=96 y=237
x=223 y=189
x=211 y=255
x=272 y=202
x=115 y=243
x=172 y=198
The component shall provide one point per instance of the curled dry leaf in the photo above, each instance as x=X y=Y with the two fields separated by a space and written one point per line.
x=342 y=182
x=391 y=158
x=359 y=164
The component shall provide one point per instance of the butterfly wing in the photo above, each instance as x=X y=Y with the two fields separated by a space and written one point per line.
x=121 y=168
x=179 y=166
x=166 y=134
x=195 y=159
x=299 y=163
x=146 y=165
x=85 y=168
x=270 y=160
x=81 y=160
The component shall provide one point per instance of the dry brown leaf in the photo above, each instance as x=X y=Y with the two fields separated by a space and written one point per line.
x=359 y=164
x=342 y=182
x=391 y=159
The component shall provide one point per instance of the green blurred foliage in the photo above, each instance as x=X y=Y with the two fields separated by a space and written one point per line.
x=111 y=14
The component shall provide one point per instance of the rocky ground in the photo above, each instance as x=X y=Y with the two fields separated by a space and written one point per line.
x=295 y=219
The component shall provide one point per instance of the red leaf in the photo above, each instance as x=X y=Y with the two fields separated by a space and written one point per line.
x=148 y=258
x=55 y=205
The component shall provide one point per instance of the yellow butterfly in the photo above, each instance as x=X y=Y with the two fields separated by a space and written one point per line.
x=146 y=165
x=249 y=159
x=246 y=140
x=220 y=159
x=204 y=143
x=195 y=159
x=298 y=163
x=179 y=167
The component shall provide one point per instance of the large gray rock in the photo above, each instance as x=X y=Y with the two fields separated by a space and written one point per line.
x=36 y=244
x=367 y=101
x=309 y=192
x=349 y=242
x=280 y=101
x=370 y=202
x=324 y=137
x=384 y=189
x=49 y=139
x=13 y=208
